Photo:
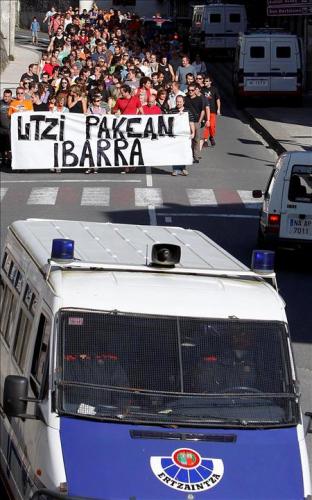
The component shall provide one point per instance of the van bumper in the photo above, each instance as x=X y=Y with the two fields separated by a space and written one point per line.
x=268 y=93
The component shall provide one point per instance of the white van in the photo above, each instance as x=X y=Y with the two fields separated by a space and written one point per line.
x=286 y=213
x=268 y=62
x=144 y=362
x=216 y=26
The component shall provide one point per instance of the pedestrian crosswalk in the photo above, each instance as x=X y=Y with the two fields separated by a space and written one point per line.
x=139 y=197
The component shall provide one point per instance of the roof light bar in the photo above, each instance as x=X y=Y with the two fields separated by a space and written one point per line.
x=262 y=261
x=62 y=249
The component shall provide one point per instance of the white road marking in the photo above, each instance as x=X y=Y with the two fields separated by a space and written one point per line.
x=43 y=196
x=96 y=197
x=248 y=200
x=151 y=208
x=3 y=193
x=149 y=178
x=201 y=214
x=145 y=197
x=201 y=197
x=61 y=181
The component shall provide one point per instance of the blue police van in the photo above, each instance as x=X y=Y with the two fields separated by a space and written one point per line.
x=142 y=362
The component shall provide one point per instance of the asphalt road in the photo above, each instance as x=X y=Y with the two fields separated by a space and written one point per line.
x=215 y=198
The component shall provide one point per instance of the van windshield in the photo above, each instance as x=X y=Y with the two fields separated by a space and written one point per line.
x=174 y=370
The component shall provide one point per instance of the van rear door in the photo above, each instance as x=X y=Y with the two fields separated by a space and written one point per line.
x=235 y=21
x=215 y=26
x=296 y=212
x=257 y=64
x=284 y=64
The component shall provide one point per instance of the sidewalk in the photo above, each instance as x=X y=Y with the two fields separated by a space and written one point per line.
x=284 y=129
x=9 y=78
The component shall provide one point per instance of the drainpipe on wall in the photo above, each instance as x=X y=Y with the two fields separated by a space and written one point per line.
x=12 y=20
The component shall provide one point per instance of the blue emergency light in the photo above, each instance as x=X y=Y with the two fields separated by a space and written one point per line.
x=62 y=249
x=262 y=261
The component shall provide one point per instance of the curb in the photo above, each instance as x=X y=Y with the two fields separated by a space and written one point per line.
x=261 y=130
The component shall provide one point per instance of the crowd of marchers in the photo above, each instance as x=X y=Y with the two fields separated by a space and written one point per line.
x=101 y=62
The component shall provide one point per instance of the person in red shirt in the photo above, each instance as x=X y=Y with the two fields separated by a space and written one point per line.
x=50 y=65
x=151 y=108
x=127 y=104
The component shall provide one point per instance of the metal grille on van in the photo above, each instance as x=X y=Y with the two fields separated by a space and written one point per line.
x=168 y=369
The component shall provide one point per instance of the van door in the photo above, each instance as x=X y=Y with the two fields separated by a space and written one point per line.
x=215 y=26
x=296 y=212
x=284 y=57
x=257 y=65
x=234 y=23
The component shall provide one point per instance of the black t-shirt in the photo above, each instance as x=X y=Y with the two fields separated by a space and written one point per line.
x=212 y=95
x=164 y=69
x=196 y=105
x=43 y=106
x=72 y=29
x=32 y=78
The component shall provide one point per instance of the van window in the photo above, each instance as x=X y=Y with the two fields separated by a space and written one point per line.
x=40 y=354
x=257 y=52
x=215 y=18
x=21 y=341
x=235 y=18
x=8 y=308
x=300 y=185
x=283 y=52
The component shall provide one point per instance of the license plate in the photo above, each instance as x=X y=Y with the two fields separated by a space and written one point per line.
x=300 y=227
x=257 y=83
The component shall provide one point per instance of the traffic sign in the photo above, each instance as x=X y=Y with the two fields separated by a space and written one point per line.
x=289 y=7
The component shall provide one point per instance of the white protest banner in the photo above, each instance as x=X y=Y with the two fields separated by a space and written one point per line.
x=67 y=140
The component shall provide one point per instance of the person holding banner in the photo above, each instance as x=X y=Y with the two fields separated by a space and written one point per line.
x=128 y=104
x=179 y=109
x=20 y=104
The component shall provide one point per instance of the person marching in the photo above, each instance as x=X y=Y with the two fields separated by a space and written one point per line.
x=212 y=93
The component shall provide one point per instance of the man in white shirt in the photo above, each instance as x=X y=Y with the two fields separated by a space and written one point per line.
x=175 y=91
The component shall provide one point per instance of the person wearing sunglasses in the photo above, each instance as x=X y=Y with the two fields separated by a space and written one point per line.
x=195 y=103
x=20 y=104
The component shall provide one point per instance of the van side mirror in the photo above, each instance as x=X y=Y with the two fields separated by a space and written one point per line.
x=257 y=193
x=14 y=395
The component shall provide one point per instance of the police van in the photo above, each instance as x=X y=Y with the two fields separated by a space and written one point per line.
x=144 y=362
x=216 y=26
x=268 y=62
x=286 y=212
